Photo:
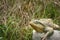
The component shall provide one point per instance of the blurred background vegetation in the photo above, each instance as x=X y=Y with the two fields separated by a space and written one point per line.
x=16 y=14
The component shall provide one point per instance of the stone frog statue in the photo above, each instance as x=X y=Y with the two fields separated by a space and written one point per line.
x=45 y=29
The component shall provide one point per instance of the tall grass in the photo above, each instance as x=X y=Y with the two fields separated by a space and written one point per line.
x=16 y=14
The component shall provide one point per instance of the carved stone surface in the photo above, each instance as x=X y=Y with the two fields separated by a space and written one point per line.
x=38 y=36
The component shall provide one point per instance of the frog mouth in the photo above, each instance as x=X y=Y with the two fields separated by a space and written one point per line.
x=37 y=26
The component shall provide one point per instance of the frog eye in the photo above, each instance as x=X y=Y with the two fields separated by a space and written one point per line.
x=36 y=21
